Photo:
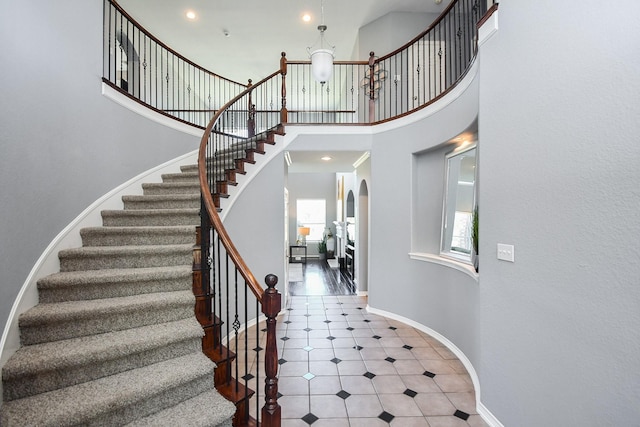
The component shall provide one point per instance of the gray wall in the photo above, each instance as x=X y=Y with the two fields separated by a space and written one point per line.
x=559 y=173
x=444 y=299
x=62 y=144
x=255 y=222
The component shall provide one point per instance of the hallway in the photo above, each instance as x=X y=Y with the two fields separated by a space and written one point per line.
x=343 y=367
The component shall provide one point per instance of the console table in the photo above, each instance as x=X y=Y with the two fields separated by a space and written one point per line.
x=298 y=252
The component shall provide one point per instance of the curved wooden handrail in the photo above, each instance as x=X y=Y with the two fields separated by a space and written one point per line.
x=210 y=206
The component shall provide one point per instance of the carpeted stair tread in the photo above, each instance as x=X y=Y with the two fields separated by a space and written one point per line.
x=116 y=399
x=170 y=188
x=106 y=257
x=162 y=201
x=181 y=177
x=151 y=217
x=138 y=235
x=209 y=409
x=70 y=319
x=115 y=282
x=48 y=366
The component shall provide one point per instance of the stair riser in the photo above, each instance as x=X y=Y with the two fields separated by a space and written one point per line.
x=142 y=203
x=189 y=177
x=123 y=260
x=85 y=324
x=108 y=289
x=179 y=393
x=132 y=219
x=166 y=189
x=100 y=238
x=42 y=382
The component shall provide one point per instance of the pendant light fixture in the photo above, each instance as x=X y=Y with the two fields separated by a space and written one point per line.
x=322 y=58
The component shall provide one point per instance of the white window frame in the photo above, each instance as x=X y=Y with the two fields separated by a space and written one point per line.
x=448 y=216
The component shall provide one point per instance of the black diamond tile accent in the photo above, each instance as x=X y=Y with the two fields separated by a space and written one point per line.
x=390 y=359
x=281 y=361
x=367 y=320
x=358 y=347
x=330 y=338
x=287 y=321
x=257 y=349
x=263 y=330
x=327 y=321
x=290 y=309
x=307 y=329
x=410 y=393
x=307 y=315
x=343 y=394
x=336 y=360
x=369 y=375
x=248 y=377
x=280 y=395
x=386 y=417
x=309 y=418
x=284 y=338
x=393 y=328
x=359 y=308
x=345 y=314
x=350 y=328
x=460 y=414
x=376 y=337
x=408 y=347
x=428 y=374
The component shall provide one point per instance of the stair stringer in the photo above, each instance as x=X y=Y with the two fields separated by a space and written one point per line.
x=49 y=263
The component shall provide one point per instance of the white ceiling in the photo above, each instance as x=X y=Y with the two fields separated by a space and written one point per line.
x=259 y=30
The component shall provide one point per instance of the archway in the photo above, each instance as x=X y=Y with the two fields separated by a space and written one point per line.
x=362 y=245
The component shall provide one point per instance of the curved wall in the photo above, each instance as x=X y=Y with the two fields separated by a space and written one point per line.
x=62 y=144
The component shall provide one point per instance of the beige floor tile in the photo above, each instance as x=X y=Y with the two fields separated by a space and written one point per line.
x=363 y=406
x=323 y=368
x=380 y=367
x=331 y=422
x=476 y=421
x=357 y=384
x=437 y=366
x=347 y=354
x=453 y=383
x=376 y=353
x=352 y=367
x=464 y=401
x=328 y=406
x=321 y=354
x=294 y=406
x=434 y=404
x=293 y=386
x=388 y=384
x=329 y=385
x=450 y=421
x=400 y=353
x=294 y=369
x=407 y=367
x=409 y=422
x=367 y=422
x=420 y=383
x=399 y=404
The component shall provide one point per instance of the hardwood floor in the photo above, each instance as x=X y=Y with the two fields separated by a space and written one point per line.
x=318 y=278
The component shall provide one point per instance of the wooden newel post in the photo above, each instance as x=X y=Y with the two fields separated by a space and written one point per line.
x=284 y=115
x=271 y=305
x=372 y=99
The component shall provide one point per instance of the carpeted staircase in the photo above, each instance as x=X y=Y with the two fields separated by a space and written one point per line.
x=114 y=339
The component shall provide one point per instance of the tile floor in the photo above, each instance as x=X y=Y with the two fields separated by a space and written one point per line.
x=343 y=367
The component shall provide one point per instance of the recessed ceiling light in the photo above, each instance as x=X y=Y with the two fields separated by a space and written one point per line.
x=190 y=14
x=326 y=158
x=306 y=17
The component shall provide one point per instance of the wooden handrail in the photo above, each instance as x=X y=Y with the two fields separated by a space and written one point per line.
x=209 y=204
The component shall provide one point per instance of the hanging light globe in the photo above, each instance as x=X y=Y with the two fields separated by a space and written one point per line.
x=322 y=64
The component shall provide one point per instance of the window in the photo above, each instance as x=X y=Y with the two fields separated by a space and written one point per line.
x=459 y=201
x=312 y=213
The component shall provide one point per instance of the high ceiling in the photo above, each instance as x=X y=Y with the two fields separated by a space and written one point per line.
x=258 y=31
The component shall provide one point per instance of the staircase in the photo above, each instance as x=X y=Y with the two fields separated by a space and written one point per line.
x=114 y=339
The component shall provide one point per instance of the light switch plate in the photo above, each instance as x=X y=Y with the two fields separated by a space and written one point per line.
x=506 y=252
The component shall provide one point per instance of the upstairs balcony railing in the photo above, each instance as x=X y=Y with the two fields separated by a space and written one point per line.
x=370 y=91
x=139 y=65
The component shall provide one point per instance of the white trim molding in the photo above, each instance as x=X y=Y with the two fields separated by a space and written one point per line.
x=486 y=415
x=447 y=262
x=488 y=28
